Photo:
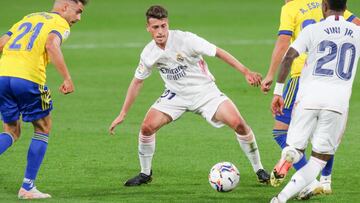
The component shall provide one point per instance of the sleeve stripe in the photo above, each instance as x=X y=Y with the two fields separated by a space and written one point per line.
x=285 y=32
x=351 y=18
x=58 y=34
x=9 y=33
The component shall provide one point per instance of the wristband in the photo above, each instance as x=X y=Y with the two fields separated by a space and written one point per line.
x=279 y=87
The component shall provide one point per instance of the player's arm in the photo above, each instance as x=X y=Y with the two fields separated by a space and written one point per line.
x=3 y=40
x=282 y=44
x=53 y=49
x=286 y=30
x=277 y=102
x=132 y=92
x=252 y=78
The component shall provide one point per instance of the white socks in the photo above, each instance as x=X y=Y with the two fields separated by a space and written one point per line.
x=249 y=146
x=146 y=152
x=302 y=178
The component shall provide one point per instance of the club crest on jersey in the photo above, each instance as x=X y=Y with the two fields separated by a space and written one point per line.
x=179 y=57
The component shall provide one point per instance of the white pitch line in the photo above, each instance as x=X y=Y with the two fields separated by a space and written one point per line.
x=141 y=45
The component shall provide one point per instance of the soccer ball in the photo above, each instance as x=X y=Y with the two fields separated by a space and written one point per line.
x=224 y=176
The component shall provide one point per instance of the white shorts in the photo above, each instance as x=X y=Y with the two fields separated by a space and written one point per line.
x=324 y=128
x=204 y=103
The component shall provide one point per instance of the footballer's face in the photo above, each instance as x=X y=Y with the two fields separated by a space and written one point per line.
x=73 y=11
x=159 y=30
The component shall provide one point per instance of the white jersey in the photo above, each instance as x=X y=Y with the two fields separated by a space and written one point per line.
x=180 y=64
x=333 y=47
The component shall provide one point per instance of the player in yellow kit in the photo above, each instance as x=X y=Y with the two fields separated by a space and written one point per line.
x=295 y=15
x=26 y=50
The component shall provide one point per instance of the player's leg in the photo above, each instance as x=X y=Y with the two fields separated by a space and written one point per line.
x=228 y=114
x=10 y=135
x=282 y=122
x=326 y=138
x=325 y=178
x=153 y=121
x=167 y=108
x=303 y=177
x=35 y=156
x=35 y=104
x=316 y=187
x=301 y=127
x=9 y=114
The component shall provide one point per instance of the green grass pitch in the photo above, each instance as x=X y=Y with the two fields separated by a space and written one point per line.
x=84 y=164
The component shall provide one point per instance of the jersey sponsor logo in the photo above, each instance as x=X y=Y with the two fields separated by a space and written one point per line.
x=175 y=73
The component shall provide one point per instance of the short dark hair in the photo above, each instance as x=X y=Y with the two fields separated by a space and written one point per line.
x=337 y=5
x=157 y=12
x=84 y=2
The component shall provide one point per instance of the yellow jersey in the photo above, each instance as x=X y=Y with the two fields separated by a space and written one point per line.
x=24 y=55
x=296 y=15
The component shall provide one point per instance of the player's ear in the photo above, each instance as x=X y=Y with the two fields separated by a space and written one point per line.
x=324 y=7
x=66 y=6
x=147 y=27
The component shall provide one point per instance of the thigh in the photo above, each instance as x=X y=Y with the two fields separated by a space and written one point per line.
x=289 y=96
x=228 y=114
x=301 y=127
x=328 y=132
x=171 y=104
x=34 y=100
x=9 y=109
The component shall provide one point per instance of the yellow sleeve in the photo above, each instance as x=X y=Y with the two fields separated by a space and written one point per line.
x=60 y=29
x=287 y=22
x=349 y=16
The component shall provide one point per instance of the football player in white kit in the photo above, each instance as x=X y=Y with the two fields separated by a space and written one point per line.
x=189 y=86
x=320 y=115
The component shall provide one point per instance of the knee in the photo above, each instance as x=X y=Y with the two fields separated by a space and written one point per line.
x=147 y=129
x=14 y=132
x=291 y=154
x=240 y=126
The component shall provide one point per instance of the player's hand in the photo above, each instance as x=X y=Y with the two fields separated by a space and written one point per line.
x=277 y=105
x=118 y=120
x=266 y=84
x=67 y=87
x=253 y=78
